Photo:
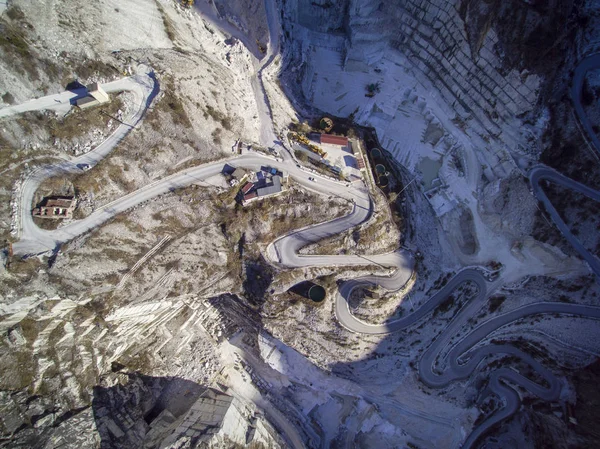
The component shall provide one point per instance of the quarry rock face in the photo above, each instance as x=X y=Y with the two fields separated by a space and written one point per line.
x=485 y=58
x=166 y=328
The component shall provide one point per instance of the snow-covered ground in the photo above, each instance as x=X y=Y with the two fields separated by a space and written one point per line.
x=423 y=133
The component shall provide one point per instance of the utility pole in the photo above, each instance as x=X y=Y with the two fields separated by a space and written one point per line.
x=404 y=188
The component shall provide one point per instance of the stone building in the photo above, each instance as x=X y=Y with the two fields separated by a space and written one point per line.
x=56 y=207
x=96 y=95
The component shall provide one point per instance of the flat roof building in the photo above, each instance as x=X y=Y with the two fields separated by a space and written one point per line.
x=334 y=140
x=96 y=95
x=238 y=173
x=271 y=189
x=86 y=102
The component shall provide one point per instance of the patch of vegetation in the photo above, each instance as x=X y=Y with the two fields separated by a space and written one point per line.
x=192 y=163
x=47 y=224
x=24 y=269
x=95 y=67
x=80 y=122
x=564 y=298
x=459 y=122
x=15 y=13
x=92 y=181
x=218 y=116
x=301 y=155
x=15 y=46
x=17 y=369
x=119 y=254
x=495 y=302
x=216 y=136
x=325 y=5
x=13 y=41
x=587 y=94
x=587 y=409
x=167 y=23
x=446 y=305
x=301 y=128
x=169 y=103
x=175 y=107
x=8 y=98
x=373 y=88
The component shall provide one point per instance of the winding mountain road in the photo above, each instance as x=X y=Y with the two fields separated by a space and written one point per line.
x=34 y=239
x=461 y=359
x=543 y=173
x=589 y=63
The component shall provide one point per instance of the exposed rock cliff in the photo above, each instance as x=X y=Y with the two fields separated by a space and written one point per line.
x=490 y=60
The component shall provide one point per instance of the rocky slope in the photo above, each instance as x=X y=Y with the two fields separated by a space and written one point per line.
x=497 y=73
x=128 y=336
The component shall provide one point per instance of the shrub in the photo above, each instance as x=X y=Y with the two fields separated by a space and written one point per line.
x=496 y=302
x=8 y=98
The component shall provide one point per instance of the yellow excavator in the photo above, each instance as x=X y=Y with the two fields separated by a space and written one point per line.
x=304 y=141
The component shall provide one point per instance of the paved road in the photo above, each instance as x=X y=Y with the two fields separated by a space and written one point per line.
x=351 y=323
x=463 y=361
x=285 y=251
x=34 y=239
x=589 y=63
x=457 y=370
x=259 y=61
x=542 y=173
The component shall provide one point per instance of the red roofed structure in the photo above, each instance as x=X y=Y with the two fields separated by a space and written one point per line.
x=247 y=187
x=334 y=140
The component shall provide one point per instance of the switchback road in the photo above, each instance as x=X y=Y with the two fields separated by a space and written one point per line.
x=34 y=239
x=462 y=360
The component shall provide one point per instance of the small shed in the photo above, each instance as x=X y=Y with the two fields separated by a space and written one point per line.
x=96 y=95
x=96 y=91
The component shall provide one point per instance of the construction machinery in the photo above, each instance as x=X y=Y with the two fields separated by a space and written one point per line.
x=307 y=143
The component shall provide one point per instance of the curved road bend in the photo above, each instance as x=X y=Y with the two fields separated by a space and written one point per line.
x=35 y=240
x=542 y=173
x=458 y=369
x=144 y=88
x=586 y=64
x=350 y=322
x=284 y=250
